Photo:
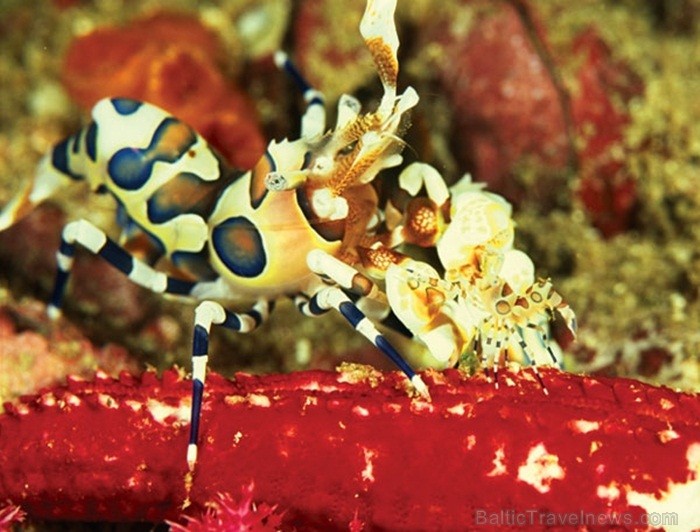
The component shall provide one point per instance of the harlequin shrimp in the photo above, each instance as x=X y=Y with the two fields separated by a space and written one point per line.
x=488 y=299
x=282 y=228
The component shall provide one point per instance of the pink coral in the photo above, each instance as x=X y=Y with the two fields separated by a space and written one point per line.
x=31 y=360
x=227 y=513
x=10 y=514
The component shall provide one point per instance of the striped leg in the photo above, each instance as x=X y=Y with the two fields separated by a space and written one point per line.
x=94 y=239
x=313 y=123
x=544 y=338
x=332 y=297
x=308 y=306
x=344 y=275
x=530 y=357
x=491 y=344
x=206 y=314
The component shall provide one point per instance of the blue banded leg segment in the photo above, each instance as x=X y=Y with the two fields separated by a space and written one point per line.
x=313 y=122
x=491 y=344
x=64 y=263
x=344 y=275
x=92 y=238
x=210 y=313
x=333 y=297
x=544 y=338
x=308 y=306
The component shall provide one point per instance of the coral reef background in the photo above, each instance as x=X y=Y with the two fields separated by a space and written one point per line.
x=584 y=115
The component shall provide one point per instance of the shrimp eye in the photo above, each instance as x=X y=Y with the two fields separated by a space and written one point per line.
x=347 y=149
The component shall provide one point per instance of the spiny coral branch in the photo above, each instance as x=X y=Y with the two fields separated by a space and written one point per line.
x=9 y=515
x=229 y=513
x=333 y=448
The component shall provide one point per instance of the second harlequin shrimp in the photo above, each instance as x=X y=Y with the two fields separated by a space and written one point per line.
x=487 y=300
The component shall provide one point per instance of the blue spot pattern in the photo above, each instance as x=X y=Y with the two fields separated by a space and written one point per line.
x=60 y=158
x=316 y=101
x=76 y=141
x=131 y=229
x=126 y=106
x=91 y=141
x=184 y=193
x=196 y=264
x=128 y=225
x=239 y=245
x=329 y=230
x=258 y=190
x=59 y=288
x=130 y=168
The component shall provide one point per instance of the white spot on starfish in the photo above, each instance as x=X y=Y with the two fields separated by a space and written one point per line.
x=499 y=468
x=583 y=426
x=610 y=492
x=107 y=400
x=420 y=405
x=309 y=400
x=540 y=469
x=460 y=409
x=258 y=399
x=470 y=442
x=360 y=411
x=393 y=408
x=677 y=503
x=49 y=399
x=134 y=405
x=668 y=435
x=161 y=411
x=368 y=471
x=665 y=404
x=72 y=399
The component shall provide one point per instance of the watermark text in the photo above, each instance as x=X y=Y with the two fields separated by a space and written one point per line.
x=577 y=519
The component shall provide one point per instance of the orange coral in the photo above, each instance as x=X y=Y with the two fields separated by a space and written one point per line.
x=170 y=60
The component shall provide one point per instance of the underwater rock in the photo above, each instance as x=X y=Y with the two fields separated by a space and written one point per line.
x=516 y=112
x=507 y=106
x=172 y=61
x=30 y=247
x=327 y=43
x=598 y=107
